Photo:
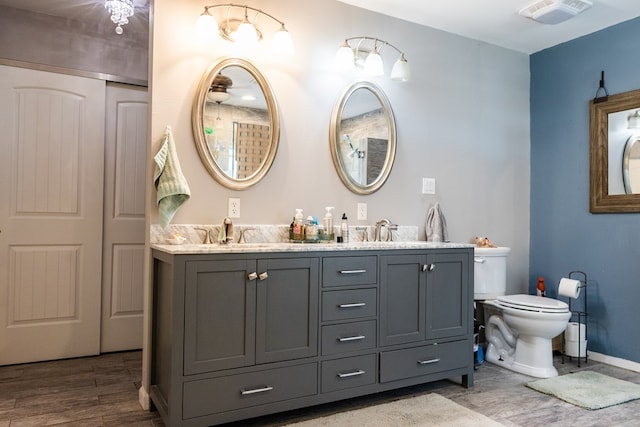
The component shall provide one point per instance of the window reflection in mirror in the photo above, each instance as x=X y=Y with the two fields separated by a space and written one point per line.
x=362 y=138
x=235 y=123
x=237 y=127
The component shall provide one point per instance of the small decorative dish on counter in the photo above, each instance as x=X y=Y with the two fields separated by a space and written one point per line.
x=176 y=240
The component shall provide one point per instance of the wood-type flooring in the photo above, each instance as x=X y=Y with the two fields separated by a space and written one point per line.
x=103 y=391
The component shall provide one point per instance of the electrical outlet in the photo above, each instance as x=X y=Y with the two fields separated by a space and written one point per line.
x=234 y=207
x=428 y=186
x=362 y=211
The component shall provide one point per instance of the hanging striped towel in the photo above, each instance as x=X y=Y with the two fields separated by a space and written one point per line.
x=171 y=186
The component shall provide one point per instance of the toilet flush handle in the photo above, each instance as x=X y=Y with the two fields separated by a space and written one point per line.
x=478 y=260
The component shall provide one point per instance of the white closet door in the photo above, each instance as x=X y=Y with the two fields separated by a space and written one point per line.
x=124 y=221
x=51 y=184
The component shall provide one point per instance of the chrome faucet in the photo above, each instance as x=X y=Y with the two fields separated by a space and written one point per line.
x=365 y=233
x=242 y=239
x=384 y=223
x=207 y=235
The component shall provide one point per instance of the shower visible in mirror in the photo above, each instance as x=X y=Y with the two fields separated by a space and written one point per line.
x=363 y=138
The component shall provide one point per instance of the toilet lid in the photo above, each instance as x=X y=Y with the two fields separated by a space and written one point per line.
x=533 y=303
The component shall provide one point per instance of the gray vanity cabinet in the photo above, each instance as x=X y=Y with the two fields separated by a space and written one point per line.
x=249 y=311
x=423 y=297
x=286 y=309
x=239 y=335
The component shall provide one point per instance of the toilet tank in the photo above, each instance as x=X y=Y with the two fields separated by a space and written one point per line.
x=490 y=272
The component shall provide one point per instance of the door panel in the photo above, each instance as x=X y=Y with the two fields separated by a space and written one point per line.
x=124 y=222
x=51 y=182
x=402 y=299
x=447 y=295
x=287 y=309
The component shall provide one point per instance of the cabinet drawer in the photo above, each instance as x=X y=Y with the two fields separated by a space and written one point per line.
x=348 y=337
x=349 y=372
x=348 y=304
x=351 y=270
x=428 y=359
x=215 y=395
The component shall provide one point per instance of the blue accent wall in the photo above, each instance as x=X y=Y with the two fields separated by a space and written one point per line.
x=564 y=235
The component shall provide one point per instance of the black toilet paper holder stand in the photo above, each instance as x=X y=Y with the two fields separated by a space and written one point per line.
x=580 y=315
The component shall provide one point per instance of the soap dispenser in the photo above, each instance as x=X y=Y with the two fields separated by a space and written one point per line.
x=298 y=225
x=328 y=223
x=344 y=229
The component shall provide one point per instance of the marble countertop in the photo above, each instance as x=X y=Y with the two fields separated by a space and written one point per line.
x=190 y=248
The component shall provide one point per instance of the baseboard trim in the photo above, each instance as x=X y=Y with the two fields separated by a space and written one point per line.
x=143 y=399
x=614 y=361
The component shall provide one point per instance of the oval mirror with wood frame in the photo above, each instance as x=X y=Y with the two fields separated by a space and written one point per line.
x=610 y=129
x=362 y=138
x=235 y=123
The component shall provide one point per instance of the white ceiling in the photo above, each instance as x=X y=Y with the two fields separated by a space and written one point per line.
x=493 y=21
x=497 y=21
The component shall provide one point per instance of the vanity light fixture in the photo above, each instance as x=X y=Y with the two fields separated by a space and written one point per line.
x=348 y=57
x=633 y=121
x=121 y=11
x=245 y=31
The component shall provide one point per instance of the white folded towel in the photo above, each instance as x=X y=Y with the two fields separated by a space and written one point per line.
x=171 y=186
x=436 y=225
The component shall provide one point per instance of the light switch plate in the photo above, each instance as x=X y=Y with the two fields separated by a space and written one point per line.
x=234 y=207
x=428 y=186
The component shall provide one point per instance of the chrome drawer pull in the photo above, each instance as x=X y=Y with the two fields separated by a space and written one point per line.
x=353 y=304
x=352 y=271
x=427 y=362
x=479 y=260
x=351 y=374
x=354 y=338
x=256 y=390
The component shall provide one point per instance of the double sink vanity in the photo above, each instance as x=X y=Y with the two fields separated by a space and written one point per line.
x=244 y=330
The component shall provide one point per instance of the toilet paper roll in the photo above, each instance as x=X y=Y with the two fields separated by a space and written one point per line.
x=575 y=332
x=569 y=288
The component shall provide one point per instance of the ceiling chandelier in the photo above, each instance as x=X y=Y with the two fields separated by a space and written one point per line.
x=370 y=59
x=120 y=11
x=243 y=30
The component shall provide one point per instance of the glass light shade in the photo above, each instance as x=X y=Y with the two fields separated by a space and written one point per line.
x=246 y=35
x=634 y=120
x=373 y=64
x=217 y=96
x=282 y=42
x=345 y=58
x=400 y=70
x=206 y=26
x=121 y=11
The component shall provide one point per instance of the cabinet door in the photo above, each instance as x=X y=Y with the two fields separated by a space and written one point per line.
x=287 y=309
x=448 y=305
x=402 y=299
x=219 y=315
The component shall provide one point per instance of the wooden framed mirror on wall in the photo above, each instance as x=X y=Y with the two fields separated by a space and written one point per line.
x=613 y=167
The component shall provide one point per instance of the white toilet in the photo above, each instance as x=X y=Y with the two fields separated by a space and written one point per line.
x=519 y=337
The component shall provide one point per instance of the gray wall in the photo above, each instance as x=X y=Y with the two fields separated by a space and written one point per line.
x=463 y=119
x=564 y=235
x=74 y=45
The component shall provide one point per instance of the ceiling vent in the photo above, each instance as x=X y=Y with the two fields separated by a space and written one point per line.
x=553 y=12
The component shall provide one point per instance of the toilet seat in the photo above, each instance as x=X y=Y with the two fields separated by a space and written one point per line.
x=532 y=303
